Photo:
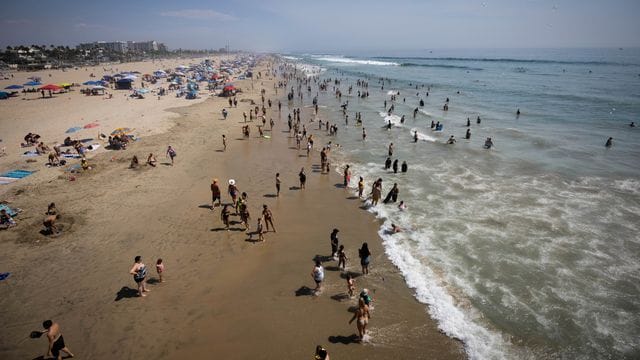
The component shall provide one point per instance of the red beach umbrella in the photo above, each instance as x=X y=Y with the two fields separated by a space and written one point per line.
x=51 y=87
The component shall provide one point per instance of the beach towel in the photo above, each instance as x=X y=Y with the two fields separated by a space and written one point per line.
x=17 y=174
x=6 y=180
x=31 y=153
x=9 y=210
x=4 y=276
x=73 y=129
x=91 y=125
x=72 y=156
x=86 y=140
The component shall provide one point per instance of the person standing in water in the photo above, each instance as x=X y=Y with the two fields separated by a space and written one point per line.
x=303 y=178
x=334 y=242
x=360 y=187
x=404 y=167
x=362 y=315
x=609 y=142
x=415 y=136
x=468 y=134
x=347 y=177
x=391 y=150
x=139 y=272
x=395 y=166
x=56 y=341
x=365 y=258
x=342 y=258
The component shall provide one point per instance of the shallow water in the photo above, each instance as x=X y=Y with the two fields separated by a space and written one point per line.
x=529 y=249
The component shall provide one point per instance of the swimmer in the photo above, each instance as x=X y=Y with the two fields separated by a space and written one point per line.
x=395 y=229
x=609 y=142
x=488 y=144
x=402 y=206
x=451 y=140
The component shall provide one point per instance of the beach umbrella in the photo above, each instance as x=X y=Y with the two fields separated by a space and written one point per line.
x=229 y=87
x=14 y=87
x=4 y=95
x=98 y=87
x=65 y=85
x=91 y=125
x=90 y=82
x=32 y=83
x=130 y=77
x=51 y=87
x=142 y=91
x=121 y=131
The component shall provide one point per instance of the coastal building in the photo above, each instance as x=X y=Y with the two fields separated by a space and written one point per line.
x=124 y=46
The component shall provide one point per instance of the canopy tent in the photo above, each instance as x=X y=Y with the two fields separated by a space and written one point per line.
x=51 y=87
x=32 y=83
x=12 y=87
x=124 y=84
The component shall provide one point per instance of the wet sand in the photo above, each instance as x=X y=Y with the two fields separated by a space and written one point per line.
x=224 y=296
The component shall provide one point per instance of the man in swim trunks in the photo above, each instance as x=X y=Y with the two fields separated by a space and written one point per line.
x=215 y=194
x=56 y=341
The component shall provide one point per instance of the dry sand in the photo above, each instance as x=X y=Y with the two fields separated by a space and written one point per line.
x=224 y=297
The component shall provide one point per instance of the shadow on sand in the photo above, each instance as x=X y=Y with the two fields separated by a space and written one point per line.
x=126 y=292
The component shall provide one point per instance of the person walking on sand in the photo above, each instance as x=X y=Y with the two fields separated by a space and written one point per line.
x=224 y=142
x=318 y=276
x=215 y=194
x=365 y=258
x=56 y=341
x=277 y=184
x=268 y=217
x=171 y=153
x=362 y=315
x=342 y=258
x=139 y=272
x=303 y=178
x=160 y=269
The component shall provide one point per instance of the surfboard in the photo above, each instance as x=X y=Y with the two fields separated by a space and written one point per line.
x=266 y=136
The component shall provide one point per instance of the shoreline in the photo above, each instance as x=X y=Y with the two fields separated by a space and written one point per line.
x=220 y=292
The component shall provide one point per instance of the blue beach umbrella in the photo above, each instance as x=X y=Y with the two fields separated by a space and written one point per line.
x=4 y=95
x=14 y=87
x=32 y=83
x=90 y=82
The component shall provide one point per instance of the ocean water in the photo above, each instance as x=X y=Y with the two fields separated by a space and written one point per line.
x=530 y=249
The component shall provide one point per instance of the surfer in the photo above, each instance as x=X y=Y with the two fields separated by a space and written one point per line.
x=609 y=142
x=633 y=124
x=518 y=112
x=451 y=140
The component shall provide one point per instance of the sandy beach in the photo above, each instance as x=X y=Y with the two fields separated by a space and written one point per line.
x=224 y=296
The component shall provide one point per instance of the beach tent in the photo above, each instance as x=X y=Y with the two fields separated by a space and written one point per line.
x=4 y=95
x=32 y=83
x=130 y=77
x=124 y=84
x=12 y=87
x=51 y=87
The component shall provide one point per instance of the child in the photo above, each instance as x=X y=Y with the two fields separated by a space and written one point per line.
x=225 y=216
x=160 y=269
x=351 y=286
x=360 y=187
x=259 y=230
x=342 y=257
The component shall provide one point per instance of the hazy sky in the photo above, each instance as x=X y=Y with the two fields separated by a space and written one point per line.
x=327 y=25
